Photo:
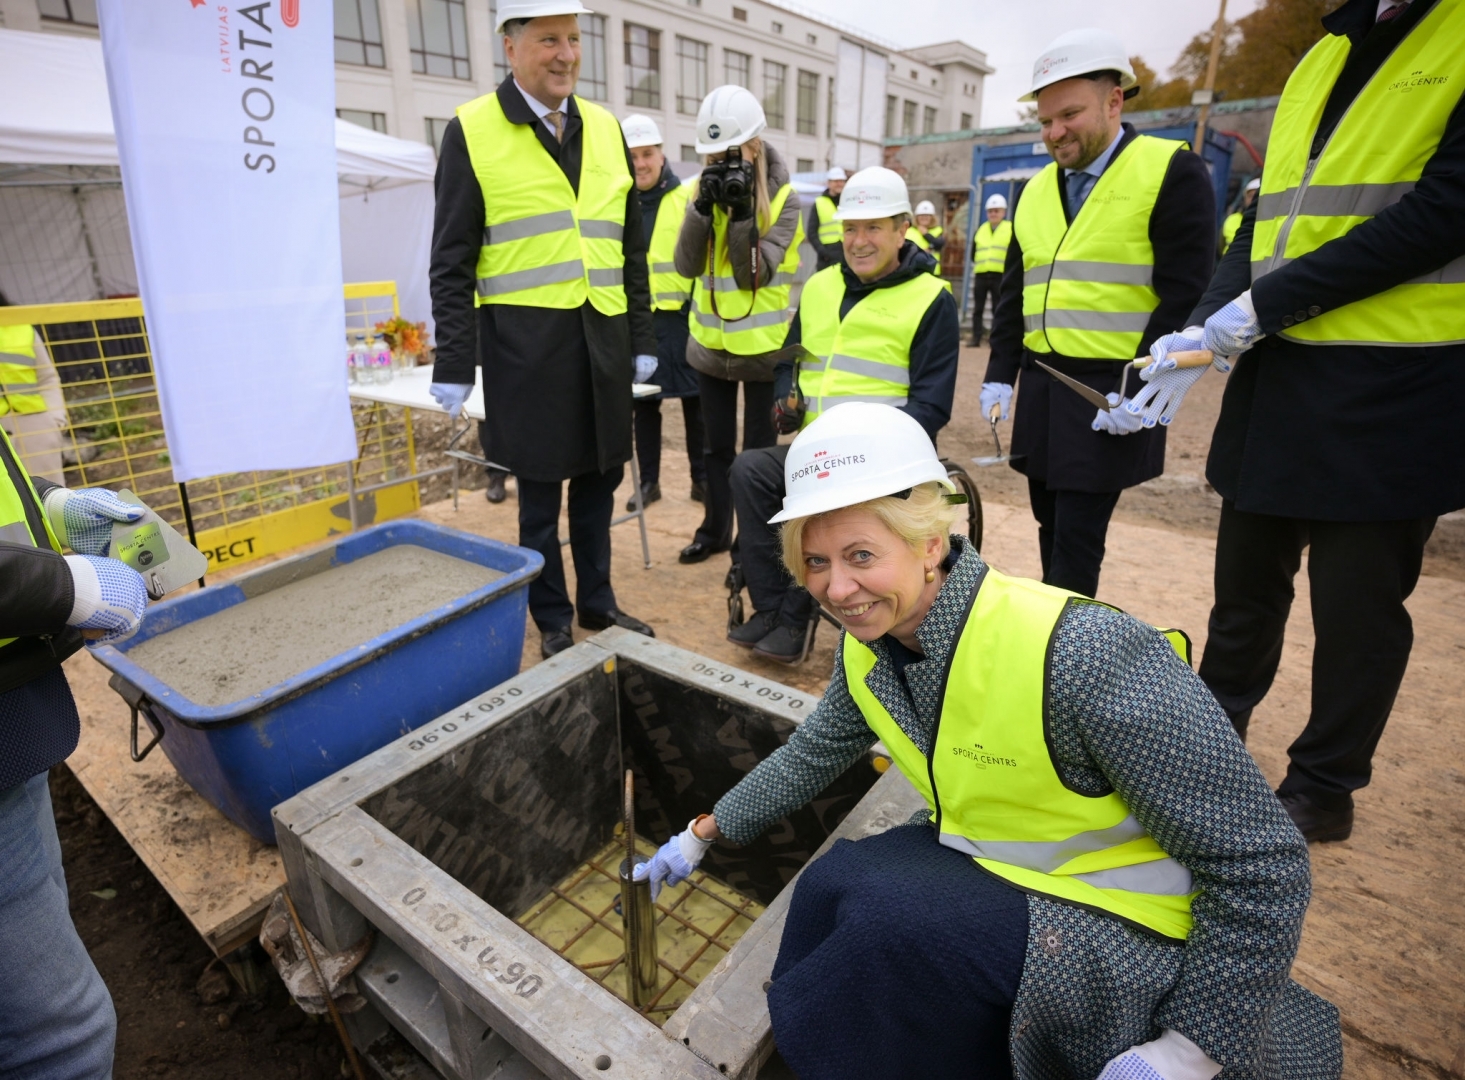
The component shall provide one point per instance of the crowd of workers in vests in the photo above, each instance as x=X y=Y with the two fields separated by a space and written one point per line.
x=1102 y=883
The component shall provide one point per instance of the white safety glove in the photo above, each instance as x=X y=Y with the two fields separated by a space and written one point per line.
x=645 y=368
x=83 y=519
x=996 y=393
x=1117 y=421
x=674 y=861
x=1170 y=1057
x=1234 y=328
x=450 y=396
x=109 y=595
x=1166 y=384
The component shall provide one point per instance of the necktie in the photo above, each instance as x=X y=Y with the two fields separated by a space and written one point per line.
x=1078 y=190
x=557 y=121
x=1394 y=12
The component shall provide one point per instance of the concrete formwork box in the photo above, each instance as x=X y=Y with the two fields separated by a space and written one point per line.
x=444 y=841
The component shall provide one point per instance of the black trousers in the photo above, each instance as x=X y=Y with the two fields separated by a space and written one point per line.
x=592 y=501
x=1072 y=526
x=1360 y=574
x=720 y=423
x=648 y=438
x=983 y=286
x=757 y=491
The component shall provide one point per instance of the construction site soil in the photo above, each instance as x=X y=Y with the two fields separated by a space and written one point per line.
x=1385 y=935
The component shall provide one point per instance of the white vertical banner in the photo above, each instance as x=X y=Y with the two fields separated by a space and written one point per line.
x=225 y=121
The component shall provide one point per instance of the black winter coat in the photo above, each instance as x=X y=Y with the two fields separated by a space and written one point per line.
x=557 y=383
x=673 y=374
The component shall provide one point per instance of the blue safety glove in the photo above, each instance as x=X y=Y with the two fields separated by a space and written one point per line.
x=83 y=519
x=450 y=396
x=109 y=595
x=1117 y=421
x=674 y=861
x=1170 y=1057
x=1162 y=352
x=645 y=368
x=1233 y=329
x=1130 y=1066
x=1166 y=384
x=996 y=393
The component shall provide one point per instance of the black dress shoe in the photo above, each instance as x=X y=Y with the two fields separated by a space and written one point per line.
x=697 y=551
x=699 y=493
x=494 y=492
x=783 y=643
x=1315 y=823
x=754 y=630
x=650 y=493
x=602 y=620
x=555 y=641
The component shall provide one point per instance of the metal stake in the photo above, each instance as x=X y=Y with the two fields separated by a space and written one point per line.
x=638 y=913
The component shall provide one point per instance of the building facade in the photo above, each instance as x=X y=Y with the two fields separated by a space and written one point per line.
x=832 y=93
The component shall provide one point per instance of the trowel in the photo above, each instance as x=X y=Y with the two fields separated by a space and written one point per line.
x=1189 y=359
x=999 y=457
x=155 y=550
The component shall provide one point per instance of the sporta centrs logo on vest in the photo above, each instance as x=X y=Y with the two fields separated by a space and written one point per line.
x=980 y=758
x=1417 y=80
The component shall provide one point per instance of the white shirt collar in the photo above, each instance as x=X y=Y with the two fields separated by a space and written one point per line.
x=1100 y=163
x=541 y=110
x=1384 y=6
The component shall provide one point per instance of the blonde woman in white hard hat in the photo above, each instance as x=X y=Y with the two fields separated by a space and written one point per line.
x=740 y=245
x=989 y=258
x=539 y=275
x=1102 y=885
x=927 y=234
x=822 y=227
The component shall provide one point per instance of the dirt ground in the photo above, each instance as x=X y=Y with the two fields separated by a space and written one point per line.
x=1384 y=940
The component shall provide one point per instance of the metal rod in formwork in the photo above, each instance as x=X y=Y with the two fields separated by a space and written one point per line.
x=638 y=913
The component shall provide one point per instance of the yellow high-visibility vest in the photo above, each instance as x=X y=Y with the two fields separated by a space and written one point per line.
x=22 y=517
x=669 y=290
x=990 y=779
x=830 y=230
x=866 y=356
x=544 y=246
x=1229 y=228
x=989 y=247
x=915 y=236
x=742 y=324
x=1372 y=160
x=18 y=378
x=1087 y=286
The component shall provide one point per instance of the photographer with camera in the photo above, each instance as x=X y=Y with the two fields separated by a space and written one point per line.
x=740 y=242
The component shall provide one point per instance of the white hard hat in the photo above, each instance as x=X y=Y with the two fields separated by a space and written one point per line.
x=836 y=173
x=925 y=206
x=1081 y=52
x=640 y=131
x=997 y=202
x=729 y=116
x=853 y=453
x=1254 y=184
x=873 y=193
x=509 y=10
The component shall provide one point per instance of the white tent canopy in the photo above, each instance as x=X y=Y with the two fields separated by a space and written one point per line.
x=54 y=110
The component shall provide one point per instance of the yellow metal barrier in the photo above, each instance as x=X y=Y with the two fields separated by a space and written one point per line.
x=103 y=428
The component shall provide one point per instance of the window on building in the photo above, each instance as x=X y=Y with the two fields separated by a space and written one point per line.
x=829 y=109
x=435 y=129
x=928 y=121
x=908 y=119
x=808 y=114
x=694 y=3
x=776 y=27
x=966 y=121
x=437 y=34
x=775 y=76
x=812 y=39
x=81 y=12
x=692 y=75
x=689 y=154
x=737 y=69
x=359 y=33
x=594 y=71
x=804 y=164
x=500 y=62
x=915 y=75
x=740 y=14
x=892 y=108
x=362 y=118
x=643 y=66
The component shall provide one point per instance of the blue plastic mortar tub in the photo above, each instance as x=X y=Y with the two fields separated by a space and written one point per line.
x=247 y=756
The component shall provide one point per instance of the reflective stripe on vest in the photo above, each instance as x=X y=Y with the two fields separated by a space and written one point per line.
x=767 y=317
x=544 y=246
x=669 y=290
x=18 y=377
x=22 y=517
x=1087 y=288
x=990 y=780
x=1371 y=161
x=989 y=247
x=865 y=356
x=830 y=230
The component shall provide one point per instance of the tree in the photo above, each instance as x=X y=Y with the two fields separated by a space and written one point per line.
x=1154 y=92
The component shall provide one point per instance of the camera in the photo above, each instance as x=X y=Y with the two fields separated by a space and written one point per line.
x=729 y=182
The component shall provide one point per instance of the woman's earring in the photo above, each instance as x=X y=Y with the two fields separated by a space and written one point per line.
x=930 y=575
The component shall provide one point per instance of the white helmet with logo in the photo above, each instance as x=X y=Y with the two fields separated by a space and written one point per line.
x=997 y=202
x=1081 y=52
x=925 y=206
x=640 y=131
x=729 y=116
x=853 y=453
x=872 y=193
x=509 y=10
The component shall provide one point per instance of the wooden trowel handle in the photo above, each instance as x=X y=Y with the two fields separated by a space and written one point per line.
x=994 y=412
x=1192 y=358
